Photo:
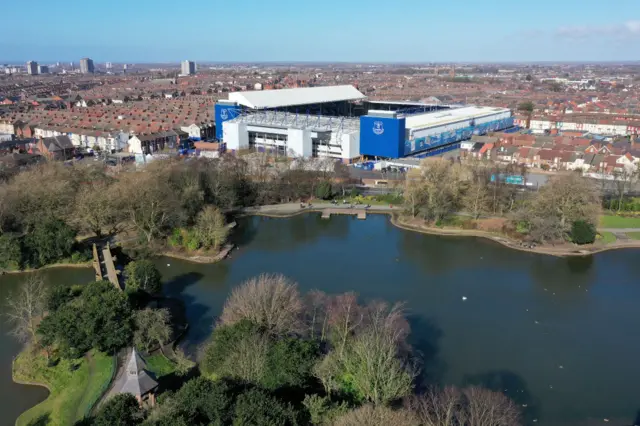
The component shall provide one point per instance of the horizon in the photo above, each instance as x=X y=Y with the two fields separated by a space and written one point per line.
x=415 y=32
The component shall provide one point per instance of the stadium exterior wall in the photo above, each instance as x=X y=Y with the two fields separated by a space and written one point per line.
x=224 y=111
x=385 y=137
x=382 y=136
x=457 y=135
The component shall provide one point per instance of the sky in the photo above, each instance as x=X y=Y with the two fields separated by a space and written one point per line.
x=417 y=31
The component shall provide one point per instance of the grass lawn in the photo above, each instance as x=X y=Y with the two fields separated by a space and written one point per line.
x=634 y=235
x=608 y=237
x=160 y=365
x=611 y=221
x=102 y=371
x=72 y=386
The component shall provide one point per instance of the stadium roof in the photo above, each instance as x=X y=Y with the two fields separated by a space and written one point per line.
x=258 y=99
x=431 y=119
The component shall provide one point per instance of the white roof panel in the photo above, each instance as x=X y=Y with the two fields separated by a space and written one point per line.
x=258 y=99
x=437 y=118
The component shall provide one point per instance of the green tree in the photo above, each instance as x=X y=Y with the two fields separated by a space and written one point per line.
x=322 y=410
x=142 y=275
x=527 y=108
x=100 y=317
x=258 y=408
x=583 y=232
x=289 y=363
x=211 y=228
x=153 y=326
x=10 y=252
x=199 y=401
x=51 y=240
x=237 y=351
x=323 y=190
x=121 y=410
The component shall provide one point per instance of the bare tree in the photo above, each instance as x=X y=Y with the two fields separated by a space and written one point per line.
x=150 y=203
x=345 y=316
x=434 y=189
x=377 y=372
x=211 y=228
x=623 y=181
x=269 y=300
x=472 y=406
x=439 y=407
x=565 y=199
x=316 y=314
x=388 y=321
x=247 y=358
x=26 y=308
x=377 y=415
x=153 y=326
x=97 y=207
x=476 y=199
x=488 y=408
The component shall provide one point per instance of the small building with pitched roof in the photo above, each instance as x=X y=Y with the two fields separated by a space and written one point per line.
x=137 y=380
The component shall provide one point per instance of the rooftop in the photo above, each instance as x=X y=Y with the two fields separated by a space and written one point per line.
x=431 y=119
x=258 y=99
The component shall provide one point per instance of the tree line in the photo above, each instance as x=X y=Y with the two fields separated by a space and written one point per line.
x=566 y=208
x=43 y=209
x=279 y=357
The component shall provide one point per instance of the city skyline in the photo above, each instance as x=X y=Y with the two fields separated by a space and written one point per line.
x=374 y=31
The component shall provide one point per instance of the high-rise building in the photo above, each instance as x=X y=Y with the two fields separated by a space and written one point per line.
x=188 y=68
x=32 y=68
x=108 y=65
x=86 y=65
x=43 y=69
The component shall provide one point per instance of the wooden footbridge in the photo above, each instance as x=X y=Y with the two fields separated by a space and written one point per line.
x=359 y=213
x=104 y=265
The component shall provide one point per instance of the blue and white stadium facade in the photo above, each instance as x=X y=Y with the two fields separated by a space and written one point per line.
x=389 y=134
x=339 y=122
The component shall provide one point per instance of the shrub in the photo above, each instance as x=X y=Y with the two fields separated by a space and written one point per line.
x=583 y=232
x=323 y=191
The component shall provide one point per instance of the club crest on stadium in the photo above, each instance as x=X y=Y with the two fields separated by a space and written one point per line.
x=224 y=114
x=378 y=129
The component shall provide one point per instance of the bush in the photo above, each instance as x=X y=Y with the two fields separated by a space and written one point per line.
x=583 y=232
x=323 y=191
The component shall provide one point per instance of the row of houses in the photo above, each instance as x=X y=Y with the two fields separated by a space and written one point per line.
x=559 y=153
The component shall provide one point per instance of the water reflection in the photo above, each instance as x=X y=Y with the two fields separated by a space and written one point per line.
x=286 y=233
x=513 y=386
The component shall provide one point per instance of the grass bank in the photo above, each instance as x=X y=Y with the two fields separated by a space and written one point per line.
x=612 y=221
x=607 y=237
x=160 y=365
x=74 y=385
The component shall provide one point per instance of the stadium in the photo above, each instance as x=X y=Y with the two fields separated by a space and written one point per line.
x=339 y=122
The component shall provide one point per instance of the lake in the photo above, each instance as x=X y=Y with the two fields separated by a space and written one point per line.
x=557 y=335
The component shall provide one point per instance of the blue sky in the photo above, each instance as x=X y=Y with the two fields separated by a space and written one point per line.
x=321 y=30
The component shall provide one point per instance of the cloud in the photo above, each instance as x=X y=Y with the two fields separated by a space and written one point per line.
x=622 y=31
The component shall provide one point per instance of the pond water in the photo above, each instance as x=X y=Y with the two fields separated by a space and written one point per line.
x=557 y=335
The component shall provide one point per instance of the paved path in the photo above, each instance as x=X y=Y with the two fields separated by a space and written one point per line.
x=291 y=208
x=619 y=230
